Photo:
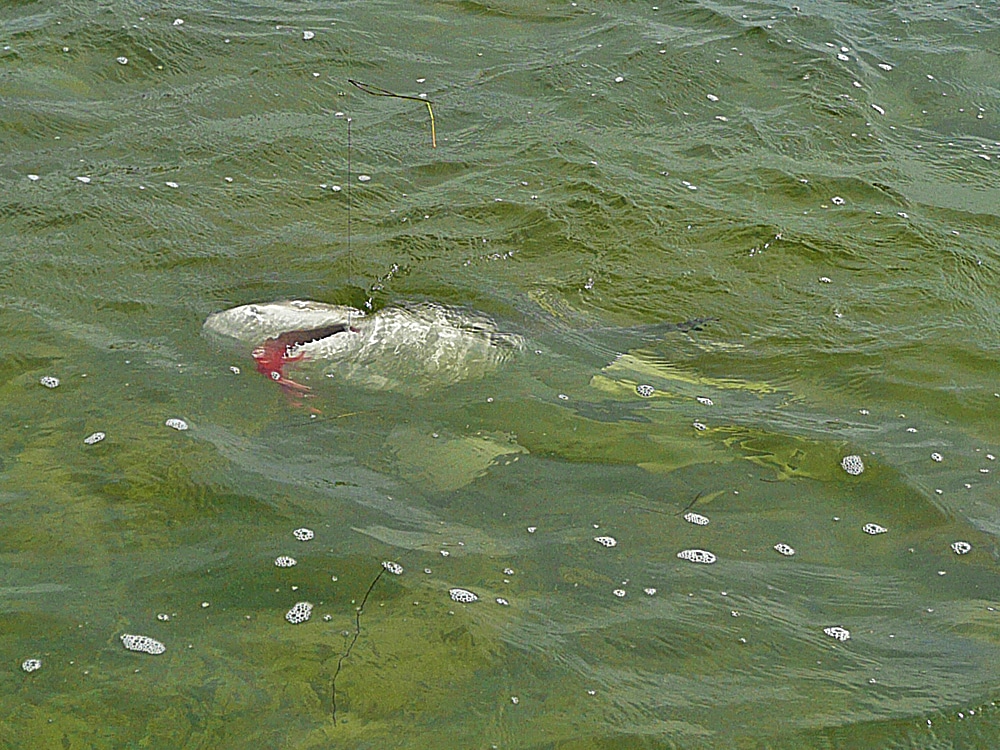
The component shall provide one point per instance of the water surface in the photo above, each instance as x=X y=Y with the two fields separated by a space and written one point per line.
x=821 y=180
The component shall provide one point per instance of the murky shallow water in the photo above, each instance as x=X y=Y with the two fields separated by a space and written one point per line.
x=599 y=168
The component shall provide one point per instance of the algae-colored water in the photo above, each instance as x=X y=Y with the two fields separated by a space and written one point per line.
x=820 y=181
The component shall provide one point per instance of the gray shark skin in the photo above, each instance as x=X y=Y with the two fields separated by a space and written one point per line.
x=409 y=349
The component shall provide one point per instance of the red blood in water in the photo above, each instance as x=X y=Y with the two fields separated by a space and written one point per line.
x=271 y=358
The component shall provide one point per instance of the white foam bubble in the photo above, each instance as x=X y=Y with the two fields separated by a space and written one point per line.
x=784 y=549
x=645 y=390
x=299 y=613
x=697 y=556
x=873 y=529
x=853 y=465
x=307 y=35
x=49 y=381
x=95 y=438
x=177 y=424
x=961 y=548
x=696 y=518
x=620 y=593
x=142 y=643
x=392 y=567
x=303 y=535
x=606 y=541
x=284 y=561
x=463 y=595
x=30 y=665
x=841 y=634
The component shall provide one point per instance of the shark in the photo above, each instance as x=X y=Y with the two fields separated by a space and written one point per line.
x=406 y=348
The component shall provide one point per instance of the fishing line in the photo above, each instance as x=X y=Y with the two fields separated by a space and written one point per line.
x=350 y=252
x=359 y=610
x=376 y=91
x=690 y=505
x=347 y=652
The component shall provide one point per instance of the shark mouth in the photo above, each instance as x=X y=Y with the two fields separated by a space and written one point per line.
x=272 y=355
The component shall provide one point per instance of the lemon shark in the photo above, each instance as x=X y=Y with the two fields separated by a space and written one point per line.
x=408 y=348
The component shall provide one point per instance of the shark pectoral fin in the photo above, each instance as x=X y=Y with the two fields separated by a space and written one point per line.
x=448 y=462
x=629 y=370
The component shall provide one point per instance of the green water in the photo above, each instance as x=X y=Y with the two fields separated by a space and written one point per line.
x=599 y=166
